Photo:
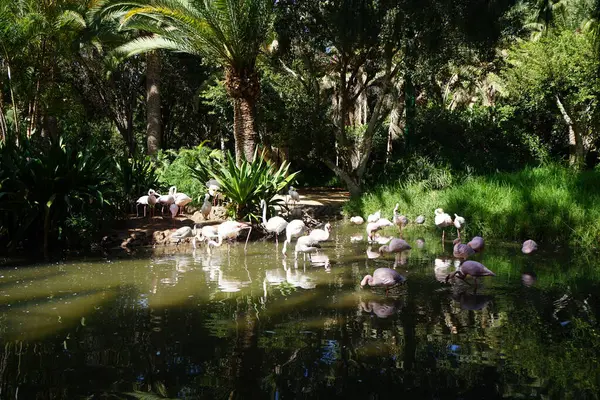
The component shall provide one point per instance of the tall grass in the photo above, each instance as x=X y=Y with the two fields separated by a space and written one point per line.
x=550 y=204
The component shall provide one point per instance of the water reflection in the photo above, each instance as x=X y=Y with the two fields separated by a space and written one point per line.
x=253 y=325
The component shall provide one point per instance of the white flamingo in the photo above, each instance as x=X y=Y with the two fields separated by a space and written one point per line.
x=294 y=195
x=293 y=229
x=306 y=245
x=152 y=200
x=399 y=220
x=207 y=233
x=373 y=227
x=167 y=199
x=321 y=235
x=357 y=220
x=459 y=222
x=230 y=230
x=442 y=220
x=275 y=224
x=374 y=217
x=213 y=189
x=142 y=201
x=182 y=200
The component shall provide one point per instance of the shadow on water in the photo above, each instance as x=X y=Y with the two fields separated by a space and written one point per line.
x=182 y=324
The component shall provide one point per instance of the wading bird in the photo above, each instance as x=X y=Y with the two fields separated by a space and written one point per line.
x=385 y=277
x=373 y=227
x=459 y=222
x=213 y=189
x=152 y=200
x=230 y=230
x=472 y=268
x=207 y=233
x=399 y=220
x=461 y=250
x=442 y=220
x=275 y=224
x=306 y=245
x=477 y=244
x=321 y=235
x=167 y=199
x=182 y=200
x=293 y=229
x=182 y=233
x=395 y=246
x=374 y=217
x=357 y=220
x=142 y=201
x=294 y=195
x=529 y=246
x=206 y=207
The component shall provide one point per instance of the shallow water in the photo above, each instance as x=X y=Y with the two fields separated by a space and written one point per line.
x=185 y=325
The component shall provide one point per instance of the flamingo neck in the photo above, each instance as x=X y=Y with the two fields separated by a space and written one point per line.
x=367 y=280
x=264 y=216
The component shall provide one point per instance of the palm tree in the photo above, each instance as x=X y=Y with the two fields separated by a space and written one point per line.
x=229 y=33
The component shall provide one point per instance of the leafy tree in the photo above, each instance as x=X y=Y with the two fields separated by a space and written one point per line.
x=229 y=33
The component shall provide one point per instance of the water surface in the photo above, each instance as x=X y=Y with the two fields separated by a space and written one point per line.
x=182 y=324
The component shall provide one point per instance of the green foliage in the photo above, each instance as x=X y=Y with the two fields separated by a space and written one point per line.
x=174 y=170
x=246 y=184
x=135 y=177
x=42 y=185
x=550 y=204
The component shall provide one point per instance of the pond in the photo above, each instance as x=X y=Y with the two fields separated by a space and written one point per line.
x=182 y=324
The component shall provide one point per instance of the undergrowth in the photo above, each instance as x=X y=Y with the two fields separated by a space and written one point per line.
x=550 y=204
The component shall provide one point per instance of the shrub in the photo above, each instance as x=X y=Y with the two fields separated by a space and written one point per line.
x=245 y=185
x=135 y=177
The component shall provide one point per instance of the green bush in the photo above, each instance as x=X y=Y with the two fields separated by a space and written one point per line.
x=135 y=177
x=43 y=185
x=174 y=170
x=551 y=204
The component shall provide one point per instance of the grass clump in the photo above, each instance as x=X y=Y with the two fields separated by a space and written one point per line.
x=551 y=204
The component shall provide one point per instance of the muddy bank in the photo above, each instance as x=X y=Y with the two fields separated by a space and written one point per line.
x=145 y=231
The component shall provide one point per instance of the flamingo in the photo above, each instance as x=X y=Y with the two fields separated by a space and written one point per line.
x=477 y=244
x=306 y=245
x=459 y=222
x=293 y=229
x=206 y=206
x=399 y=220
x=385 y=277
x=321 y=235
x=167 y=199
x=357 y=220
x=472 y=268
x=274 y=224
x=373 y=227
x=208 y=232
x=395 y=246
x=182 y=233
x=374 y=217
x=174 y=211
x=442 y=220
x=420 y=220
x=152 y=200
x=462 y=250
x=230 y=230
x=182 y=200
x=529 y=246
x=141 y=201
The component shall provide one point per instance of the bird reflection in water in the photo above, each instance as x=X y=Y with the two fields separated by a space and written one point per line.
x=320 y=260
x=529 y=278
x=441 y=266
x=471 y=300
x=371 y=255
x=382 y=308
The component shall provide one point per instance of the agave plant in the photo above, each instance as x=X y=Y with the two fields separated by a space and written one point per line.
x=246 y=184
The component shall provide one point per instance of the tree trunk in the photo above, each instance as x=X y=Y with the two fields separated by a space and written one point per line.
x=351 y=182
x=576 y=149
x=153 y=113
x=243 y=128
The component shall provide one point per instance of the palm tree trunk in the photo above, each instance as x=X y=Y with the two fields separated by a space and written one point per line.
x=576 y=148
x=153 y=114
x=243 y=128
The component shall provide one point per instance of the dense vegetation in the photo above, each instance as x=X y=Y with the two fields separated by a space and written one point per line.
x=100 y=100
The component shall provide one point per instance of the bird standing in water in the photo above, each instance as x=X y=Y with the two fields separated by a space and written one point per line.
x=274 y=224
x=472 y=268
x=461 y=250
x=477 y=244
x=459 y=222
x=399 y=220
x=442 y=220
x=529 y=246
x=295 y=228
x=383 y=277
